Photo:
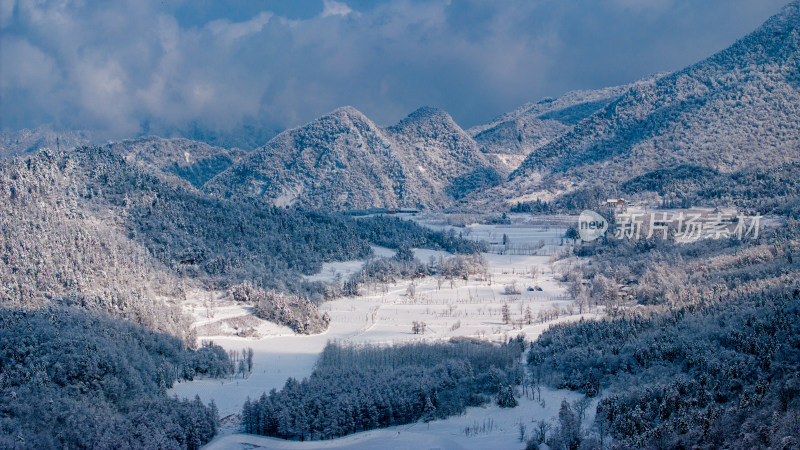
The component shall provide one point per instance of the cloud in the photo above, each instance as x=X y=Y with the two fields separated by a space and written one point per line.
x=123 y=68
x=332 y=8
x=232 y=31
x=6 y=12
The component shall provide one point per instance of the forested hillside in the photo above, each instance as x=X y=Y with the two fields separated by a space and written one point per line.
x=62 y=240
x=344 y=161
x=88 y=228
x=734 y=111
x=76 y=379
x=534 y=125
x=181 y=161
x=96 y=246
x=114 y=258
x=25 y=141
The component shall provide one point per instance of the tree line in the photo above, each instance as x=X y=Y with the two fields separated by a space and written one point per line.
x=357 y=388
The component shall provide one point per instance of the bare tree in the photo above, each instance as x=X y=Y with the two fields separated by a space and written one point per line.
x=541 y=430
x=249 y=358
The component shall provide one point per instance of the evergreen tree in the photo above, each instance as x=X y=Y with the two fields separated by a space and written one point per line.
x=505 y=398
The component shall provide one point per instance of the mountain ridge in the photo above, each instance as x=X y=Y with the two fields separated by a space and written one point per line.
x=343 y=160
x=734 y=110
x=177 y=160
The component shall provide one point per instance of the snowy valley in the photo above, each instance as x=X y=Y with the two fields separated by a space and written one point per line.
x=611 y=268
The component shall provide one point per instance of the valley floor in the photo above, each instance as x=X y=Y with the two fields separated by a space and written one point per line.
x=384 y=314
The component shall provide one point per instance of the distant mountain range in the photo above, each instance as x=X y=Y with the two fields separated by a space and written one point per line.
x=735 y=111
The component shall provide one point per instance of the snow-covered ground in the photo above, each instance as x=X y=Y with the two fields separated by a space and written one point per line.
x=384 y=314
x=525 y=234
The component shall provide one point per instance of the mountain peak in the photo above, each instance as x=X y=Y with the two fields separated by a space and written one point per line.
x=346 y=111
x=428 y=112
x=343 y=160
x=425 y=120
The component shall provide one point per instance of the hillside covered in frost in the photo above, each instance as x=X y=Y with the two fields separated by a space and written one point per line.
x=344 y=161
x=733 y=112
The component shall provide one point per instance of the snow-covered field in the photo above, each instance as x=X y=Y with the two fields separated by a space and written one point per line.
x=526 y=234
x=384 y=314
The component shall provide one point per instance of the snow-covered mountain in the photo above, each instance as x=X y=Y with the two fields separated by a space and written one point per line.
x=26 y=141
x=510 y=137
x=343 y=160
x=736 y=110
x=179 y=161
x=534 y=124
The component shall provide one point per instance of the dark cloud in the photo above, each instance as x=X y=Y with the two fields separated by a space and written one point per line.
x=121 y=68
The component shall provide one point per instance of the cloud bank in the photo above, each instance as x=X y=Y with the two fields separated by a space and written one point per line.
x=137 y=66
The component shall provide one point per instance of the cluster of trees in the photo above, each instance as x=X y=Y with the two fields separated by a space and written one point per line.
x=766 y=189
x=659 y=272
x=210 y=360
x=714 y=375
x=590 y=197
x=294 y=311
x=395 y=233
x=75 y=379
x=568 y=433
x=357 y=388
x=243 y=362
x=532 y=206
x=404 y=265
x=461 y=266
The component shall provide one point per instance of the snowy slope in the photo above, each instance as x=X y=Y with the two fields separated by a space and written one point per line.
x=533 y=125
x=27 y=141
x=178 y=160
x=735 y=110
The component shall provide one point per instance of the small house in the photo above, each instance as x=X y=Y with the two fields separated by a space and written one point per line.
x=616 y=203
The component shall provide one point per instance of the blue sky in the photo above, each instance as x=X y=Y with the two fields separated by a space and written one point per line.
x=118 y=68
